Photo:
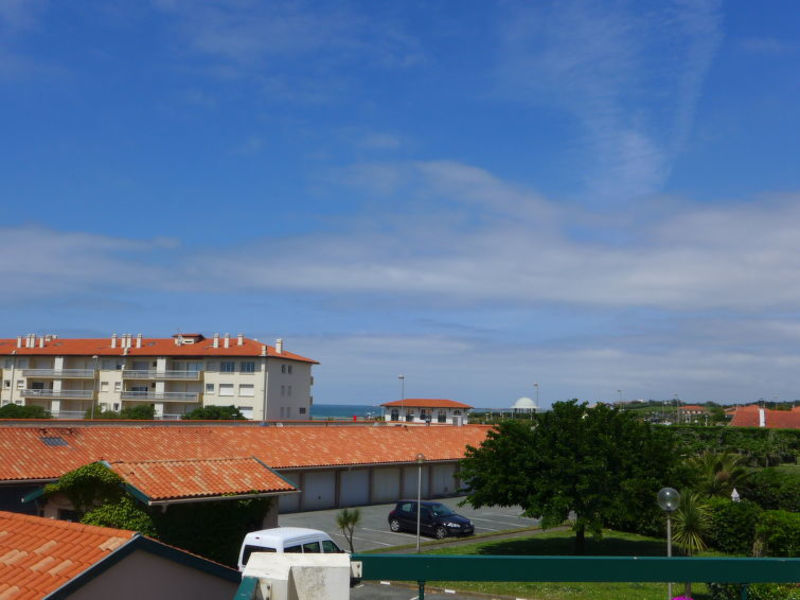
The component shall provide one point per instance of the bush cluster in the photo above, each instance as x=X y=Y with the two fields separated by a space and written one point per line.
x=733 y=525
x=774 y=489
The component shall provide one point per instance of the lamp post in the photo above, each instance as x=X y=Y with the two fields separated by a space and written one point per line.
x=536 y=385
x=668 y=500
x=420 y=458
x=620 y=398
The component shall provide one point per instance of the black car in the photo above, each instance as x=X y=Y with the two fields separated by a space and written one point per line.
x=435 y=519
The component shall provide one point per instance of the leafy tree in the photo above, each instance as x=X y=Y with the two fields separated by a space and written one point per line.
x=214 y=413
x=600 y=464
x=15 y=411
x=347 y=520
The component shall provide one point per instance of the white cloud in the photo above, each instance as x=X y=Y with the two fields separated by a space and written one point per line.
x=632 y=80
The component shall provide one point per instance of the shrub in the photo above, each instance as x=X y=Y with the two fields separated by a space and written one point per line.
x=778 y=534
x=774 y=489
x=214 y=413
x=125 y=513
x=733 y=525
x=758 y=591
x=15 y=411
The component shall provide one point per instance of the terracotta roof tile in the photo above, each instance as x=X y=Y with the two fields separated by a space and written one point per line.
x=25 y=456
x=748 y=416
x=150 y=347
x=427 y=403
x=48 y=553
x=172 y=479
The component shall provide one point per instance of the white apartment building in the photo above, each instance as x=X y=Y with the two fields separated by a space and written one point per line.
x=176 y=375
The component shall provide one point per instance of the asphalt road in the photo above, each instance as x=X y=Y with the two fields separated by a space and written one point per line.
x=373 y=533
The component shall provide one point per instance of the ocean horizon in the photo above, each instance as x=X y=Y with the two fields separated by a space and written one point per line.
x=345 y=411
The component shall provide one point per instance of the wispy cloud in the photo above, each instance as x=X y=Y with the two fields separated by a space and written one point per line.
x=631 y=79
x=770 y=46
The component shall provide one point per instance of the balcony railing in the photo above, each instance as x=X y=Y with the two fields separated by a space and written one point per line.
x=161 y=375
x=79 y=394
x=161 y=396
x=59 y=373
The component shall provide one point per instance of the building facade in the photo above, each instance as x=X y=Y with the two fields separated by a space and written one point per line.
x=69 y=376
x=426 y=410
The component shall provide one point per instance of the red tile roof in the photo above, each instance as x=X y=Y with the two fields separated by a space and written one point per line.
x=426 y=403
x=37 y=556
x=692 y=407
x=173 y=479
x=27 y=456
x=150 y=347
x=748 y=416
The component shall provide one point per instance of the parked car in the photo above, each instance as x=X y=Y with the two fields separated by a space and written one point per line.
x=285 y=539
x=435 y=519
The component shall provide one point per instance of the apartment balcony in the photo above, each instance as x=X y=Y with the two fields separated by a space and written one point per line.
x=56 y=395
x=161 y=375
x=59 y=373
x=161 y=396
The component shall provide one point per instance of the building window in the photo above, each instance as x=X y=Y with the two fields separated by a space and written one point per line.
x=209 y=388
x=20 y=385
x=288 y=390
x=226 y=389
x=289 y=369
x=227 y=366
x=442 y=416
x=103 y=386
x=246 y=389
x=283 y=390
x=116 y=406
x=117 y=386
x=8 y=362
x=283 y=368
x=212 y=366
x=247 y=367
x=6 y=383
x=302 y=410
x=395 y=415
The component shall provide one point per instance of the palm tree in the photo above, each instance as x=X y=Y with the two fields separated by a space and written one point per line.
x=692 y=522
x=718 y=473
x=347 y=520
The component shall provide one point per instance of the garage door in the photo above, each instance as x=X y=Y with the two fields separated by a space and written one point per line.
x=410 y=480
x=319 y=490
x=354 y=488
x=386 y=485
x=443 y=481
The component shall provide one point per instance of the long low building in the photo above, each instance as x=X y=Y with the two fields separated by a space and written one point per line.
x=334 y=466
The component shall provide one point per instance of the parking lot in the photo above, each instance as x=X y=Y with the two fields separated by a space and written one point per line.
x=373 y=531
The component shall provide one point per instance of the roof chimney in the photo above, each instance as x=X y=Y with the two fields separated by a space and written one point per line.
x=215 y=341
x=226 y=342
x=41 y=342
x=113 y=340
x=263 y=350
x=19 y=341
x=240 y=339
x=138 y=340
x=279 y=346
x=762 y=417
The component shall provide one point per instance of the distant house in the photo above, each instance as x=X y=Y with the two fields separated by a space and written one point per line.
x=690 y=413
x=426 y=410
x=45 y=558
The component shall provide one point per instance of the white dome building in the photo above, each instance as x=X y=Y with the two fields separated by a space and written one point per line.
x=524 y=405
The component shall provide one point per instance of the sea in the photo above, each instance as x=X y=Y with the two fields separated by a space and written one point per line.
x=344 y=411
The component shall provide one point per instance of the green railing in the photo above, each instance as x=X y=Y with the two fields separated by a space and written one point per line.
x=422 y=568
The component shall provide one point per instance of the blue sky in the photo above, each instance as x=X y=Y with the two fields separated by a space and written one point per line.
x=591 y=196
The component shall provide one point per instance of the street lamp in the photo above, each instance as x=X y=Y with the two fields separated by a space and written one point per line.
x=420 y=458
x=668 y=500
x=536 y=385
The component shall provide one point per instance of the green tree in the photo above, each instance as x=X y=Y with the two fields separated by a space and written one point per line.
x=15 y=411
x=214 y=413
x=599 y=465
x=347 y=520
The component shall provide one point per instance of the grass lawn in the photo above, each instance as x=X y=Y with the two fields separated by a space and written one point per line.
x=555 y=543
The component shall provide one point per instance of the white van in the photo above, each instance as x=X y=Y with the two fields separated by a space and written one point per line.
x=285 y=539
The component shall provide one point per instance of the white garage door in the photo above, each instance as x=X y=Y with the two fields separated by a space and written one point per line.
x=443 y=481
x=385 y=485
x=410 y=480
x=319 y=490
x=354 y=488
